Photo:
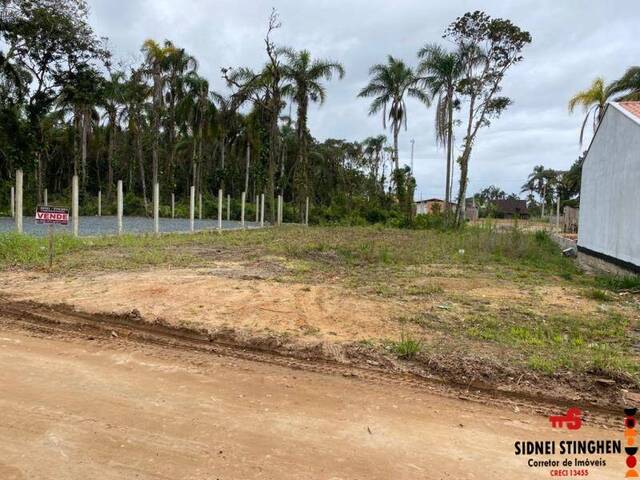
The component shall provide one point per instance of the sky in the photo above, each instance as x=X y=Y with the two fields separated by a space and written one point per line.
x=574 y=41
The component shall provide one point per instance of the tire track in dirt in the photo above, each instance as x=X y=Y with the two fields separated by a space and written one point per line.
x=63 y=320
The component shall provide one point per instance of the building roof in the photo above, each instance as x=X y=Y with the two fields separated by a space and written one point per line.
x=631 y=107
x=631 y=110
x=511 y=205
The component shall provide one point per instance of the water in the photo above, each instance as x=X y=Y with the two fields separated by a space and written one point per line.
x=108 y=225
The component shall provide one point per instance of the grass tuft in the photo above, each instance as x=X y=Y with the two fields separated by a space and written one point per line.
x=408 y=347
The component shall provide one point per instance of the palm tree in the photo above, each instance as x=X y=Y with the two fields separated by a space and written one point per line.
x=541 y=181
x=440 y=72
x=81 y=92
x=306 y=76
x=373 y=148
x=628 y=85
x=198 y=111
x=112 y=100
x=136 y=92
x=593 y=100
x=389 y=85
x=177 y=66
x=155 y=61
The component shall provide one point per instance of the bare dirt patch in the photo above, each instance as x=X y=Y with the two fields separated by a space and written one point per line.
x=78 y=409
x=225 y=296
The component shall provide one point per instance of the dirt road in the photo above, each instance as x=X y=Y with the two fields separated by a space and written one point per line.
x=78 y=408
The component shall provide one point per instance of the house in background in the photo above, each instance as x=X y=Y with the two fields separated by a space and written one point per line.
x=510 y=208
x=609 y=218
x=432 y=205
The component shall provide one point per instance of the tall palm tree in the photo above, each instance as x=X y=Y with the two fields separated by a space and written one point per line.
x=593 y=100
x=197 y=110
x=390 y=84
x=439 y=71
x=155 y=61
x=177 y=65
x=112 y=100
x=136 y=92
x=81 y=92
x=306 y=77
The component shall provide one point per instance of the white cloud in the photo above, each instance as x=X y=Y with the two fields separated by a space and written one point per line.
x=573 y=41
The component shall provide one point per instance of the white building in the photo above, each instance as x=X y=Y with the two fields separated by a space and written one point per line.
x=609 y=224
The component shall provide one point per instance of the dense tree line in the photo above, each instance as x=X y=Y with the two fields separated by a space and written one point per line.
x=67 y=108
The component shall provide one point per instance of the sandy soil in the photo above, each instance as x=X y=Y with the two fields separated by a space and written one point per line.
x=214 y=298
x=78 y=409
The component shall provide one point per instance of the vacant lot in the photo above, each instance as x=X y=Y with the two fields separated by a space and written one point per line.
x=478 y=305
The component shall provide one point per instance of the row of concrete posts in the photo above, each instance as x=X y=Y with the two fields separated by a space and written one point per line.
x=17 y=206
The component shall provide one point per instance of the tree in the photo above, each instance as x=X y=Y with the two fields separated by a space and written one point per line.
x=136 y=92
x=542 y=181
x=594 y=100
x=198 y=110
x=306 y=77
x=112 y=101
x=439 y=72
x=488 y=195
x=628 y=86
x=177 y=66
x=266 y=90
x=46 y=42
x=81 y=92
x=155 y=61
x=374 y=151
x=390 y=84
x=491 y=46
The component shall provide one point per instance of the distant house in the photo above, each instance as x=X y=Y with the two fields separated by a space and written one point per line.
x=432 y=205
x=609 y=218
x=510 y=208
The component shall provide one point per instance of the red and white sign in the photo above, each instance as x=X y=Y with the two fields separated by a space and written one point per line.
x=52 y=215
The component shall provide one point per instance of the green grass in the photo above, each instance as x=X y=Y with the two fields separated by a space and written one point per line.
x=599 y=295
x=619 y=283
x=397 y=264
x=581 y=342
x=407 y=347
x=353 y=247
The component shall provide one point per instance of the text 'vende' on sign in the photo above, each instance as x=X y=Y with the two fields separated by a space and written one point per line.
x=52 y=215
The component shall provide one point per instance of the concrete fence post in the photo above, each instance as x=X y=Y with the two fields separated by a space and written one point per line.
x=200 y=206
x=262 y=210
x=220 y=209
x=156 y=208
x=99 y=203
x=173 y=205
x=18 y=207
x=74 y=205
x=192 y=207
x=13 y=202
x=228 y=208
x=46 y=197
x=257 y=208
x=280 y=199
x=306 y=213
x=243 y=198
x=120 y=206
x=558 y=212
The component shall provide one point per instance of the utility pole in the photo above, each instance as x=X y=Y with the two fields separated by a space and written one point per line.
x=412 y=144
